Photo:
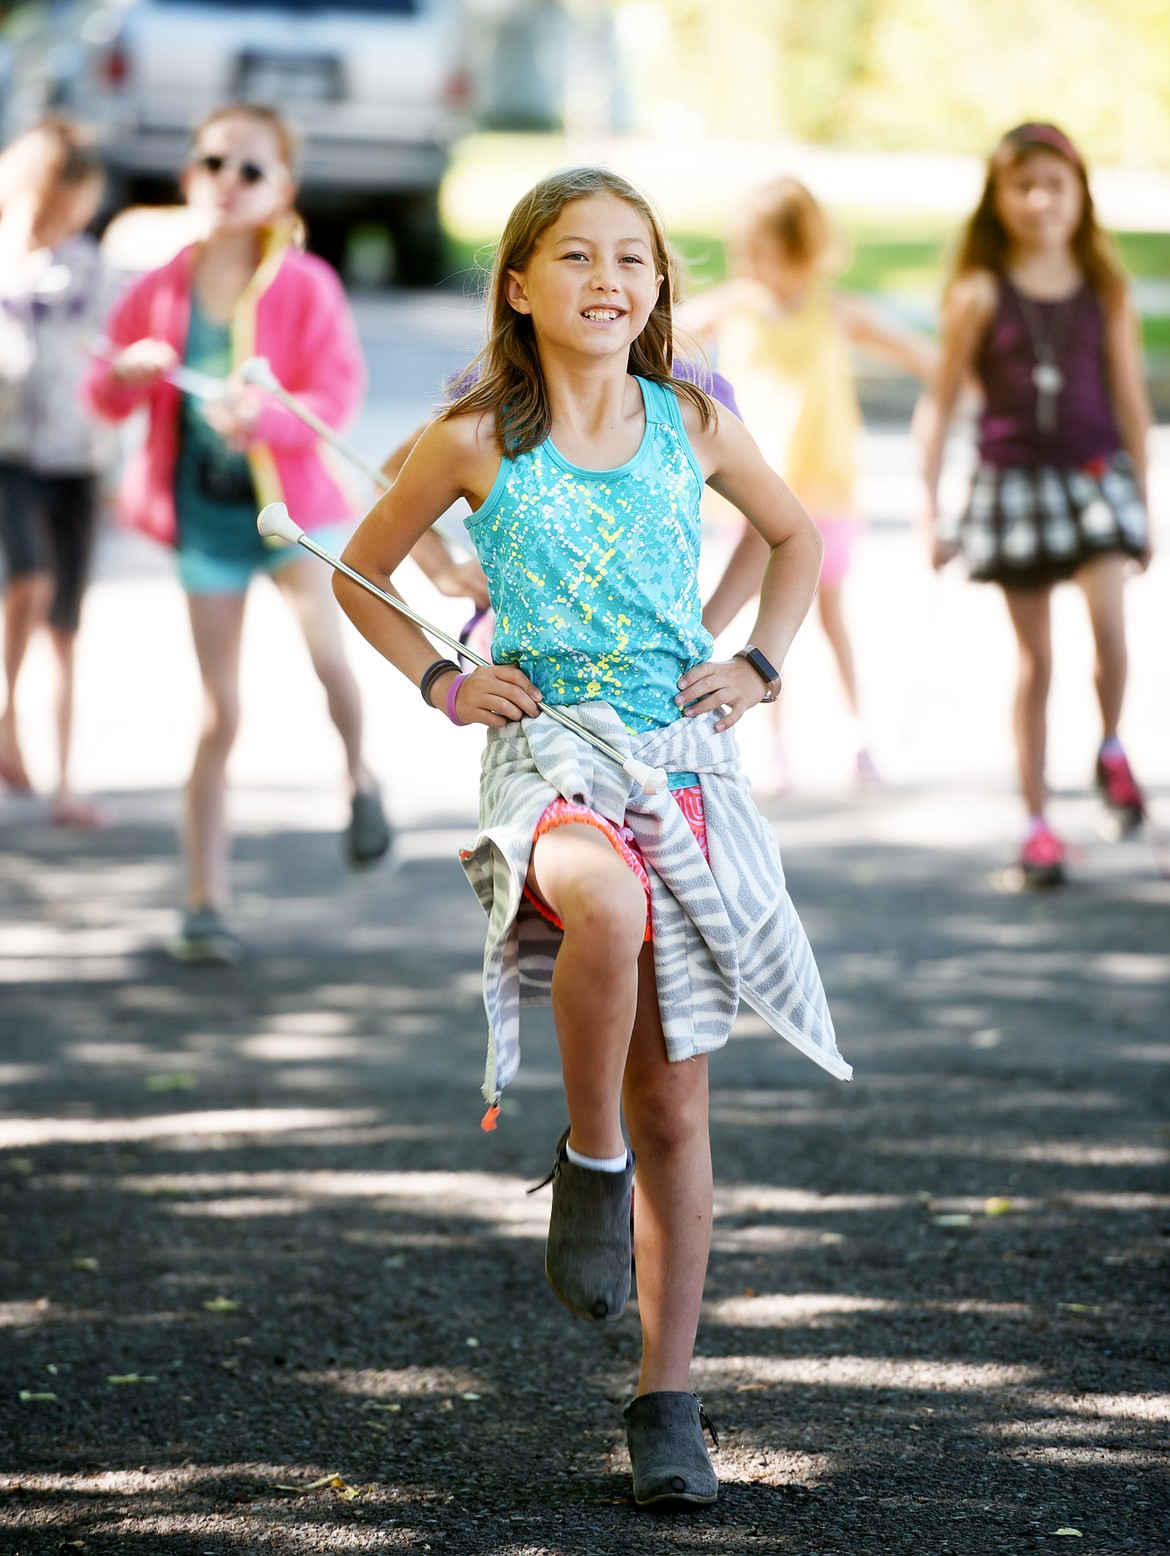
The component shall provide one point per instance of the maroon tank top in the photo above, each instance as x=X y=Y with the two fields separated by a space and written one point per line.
x=1081 y=426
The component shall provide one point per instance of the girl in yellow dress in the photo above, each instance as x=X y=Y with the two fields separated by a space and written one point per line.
x=783 y=337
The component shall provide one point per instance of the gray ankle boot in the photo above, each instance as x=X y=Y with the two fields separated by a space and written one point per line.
x=667 y=1452
x=587 y=1257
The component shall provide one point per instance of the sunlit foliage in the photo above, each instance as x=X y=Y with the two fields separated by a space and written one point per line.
x=926 y=75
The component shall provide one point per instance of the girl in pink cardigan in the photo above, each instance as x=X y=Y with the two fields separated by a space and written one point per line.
x=207 y=467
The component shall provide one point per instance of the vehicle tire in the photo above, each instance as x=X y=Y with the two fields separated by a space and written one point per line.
x=418 y=239
x=327 y=237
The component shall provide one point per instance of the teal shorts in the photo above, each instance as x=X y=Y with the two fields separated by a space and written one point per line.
x=201 y=572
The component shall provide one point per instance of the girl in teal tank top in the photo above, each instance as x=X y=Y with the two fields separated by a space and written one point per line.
x=583 y=464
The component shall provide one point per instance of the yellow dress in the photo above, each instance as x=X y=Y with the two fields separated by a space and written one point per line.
x=794 y=383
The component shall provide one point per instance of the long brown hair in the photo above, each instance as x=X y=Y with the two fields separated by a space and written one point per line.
x=984 y=243
x=506 y=379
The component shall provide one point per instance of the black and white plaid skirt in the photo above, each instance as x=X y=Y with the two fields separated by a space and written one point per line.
x=1028 y=528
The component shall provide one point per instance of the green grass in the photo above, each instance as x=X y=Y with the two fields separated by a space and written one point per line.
x=1156 y=333
x=890 y=257
x=1146 y=254
x=878 y=264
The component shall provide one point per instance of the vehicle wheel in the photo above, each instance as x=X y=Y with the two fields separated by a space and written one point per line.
x=327 y=237
x=418 y=239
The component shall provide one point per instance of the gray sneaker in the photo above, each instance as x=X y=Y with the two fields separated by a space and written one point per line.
x=206 y=940
x=368 y=835
x=587 y=1257
x=668 y=1456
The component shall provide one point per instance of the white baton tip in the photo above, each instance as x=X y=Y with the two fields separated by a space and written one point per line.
x=651 y=779
x=257 y=371
x=274 y=520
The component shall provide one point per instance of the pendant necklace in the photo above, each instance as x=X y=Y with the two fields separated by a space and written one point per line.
x=1046 y=372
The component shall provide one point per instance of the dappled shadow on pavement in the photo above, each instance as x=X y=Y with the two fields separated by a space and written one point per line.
x=267 y=1287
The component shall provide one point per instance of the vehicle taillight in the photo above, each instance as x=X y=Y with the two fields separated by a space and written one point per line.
x=457 y=91
x=114 y=69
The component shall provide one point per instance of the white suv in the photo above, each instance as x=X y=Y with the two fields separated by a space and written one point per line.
x=376 y=87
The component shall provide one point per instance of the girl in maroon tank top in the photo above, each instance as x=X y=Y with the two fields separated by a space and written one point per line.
x=1038 y=310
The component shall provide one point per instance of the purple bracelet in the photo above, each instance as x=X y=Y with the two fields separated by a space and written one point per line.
x=452 y=693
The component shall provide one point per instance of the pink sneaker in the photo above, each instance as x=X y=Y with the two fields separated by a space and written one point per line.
x=1042 y=858
x=1120 y=791
x=865 y=771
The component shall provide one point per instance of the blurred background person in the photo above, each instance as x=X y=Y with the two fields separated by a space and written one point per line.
x=1039 y=309
x=53 y=295
x=781 y=333
x=207 y=466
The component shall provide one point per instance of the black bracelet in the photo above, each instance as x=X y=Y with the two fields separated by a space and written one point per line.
x=431 y=674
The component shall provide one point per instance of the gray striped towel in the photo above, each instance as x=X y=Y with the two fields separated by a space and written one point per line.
x=722 y=933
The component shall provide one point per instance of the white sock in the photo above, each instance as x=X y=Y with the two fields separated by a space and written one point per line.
x=597 y=1163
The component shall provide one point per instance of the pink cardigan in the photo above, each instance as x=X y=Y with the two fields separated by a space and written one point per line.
x=294 y=312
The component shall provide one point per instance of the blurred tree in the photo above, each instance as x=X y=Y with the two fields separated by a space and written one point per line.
x=909 y=75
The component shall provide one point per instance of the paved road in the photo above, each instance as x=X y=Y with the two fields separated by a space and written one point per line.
x=253 y=1237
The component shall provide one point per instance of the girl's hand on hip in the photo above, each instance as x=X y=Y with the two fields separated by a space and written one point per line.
x=728 y=687
x=496 y=695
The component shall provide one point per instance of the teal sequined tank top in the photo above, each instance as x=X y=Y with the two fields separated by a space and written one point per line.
x=593 y=574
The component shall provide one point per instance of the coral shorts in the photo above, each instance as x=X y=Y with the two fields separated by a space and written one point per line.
x=561 y=812
x=840 y=537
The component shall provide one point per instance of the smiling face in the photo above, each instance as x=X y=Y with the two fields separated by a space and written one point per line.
x=591 y=281
x=236 y=175
x=1039 y=200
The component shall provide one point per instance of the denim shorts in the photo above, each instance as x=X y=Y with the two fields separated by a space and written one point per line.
x=47 y=525
x=203 y=573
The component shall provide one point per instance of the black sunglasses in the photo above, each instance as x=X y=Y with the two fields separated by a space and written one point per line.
x=210 y=162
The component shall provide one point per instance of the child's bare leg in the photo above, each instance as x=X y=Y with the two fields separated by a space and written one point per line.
x=833 y=621
x=26 y=602
x=1030 y=617
x=1103 y=584
x=666 y=1113
x=217 y=622
x=64 y=644
x=306 y=587
x=602 y=905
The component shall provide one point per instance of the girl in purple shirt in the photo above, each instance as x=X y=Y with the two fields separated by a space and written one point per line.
x=1038 y=310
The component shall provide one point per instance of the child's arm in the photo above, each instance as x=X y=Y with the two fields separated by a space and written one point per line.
x=1127 y=385
x=453 y=458
x=394 y=461
x=735 y=468
x=867 y=327
x=740 y=581
x=968 y=311
x=702 y=314
x=130 y=362
x=459 y=580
